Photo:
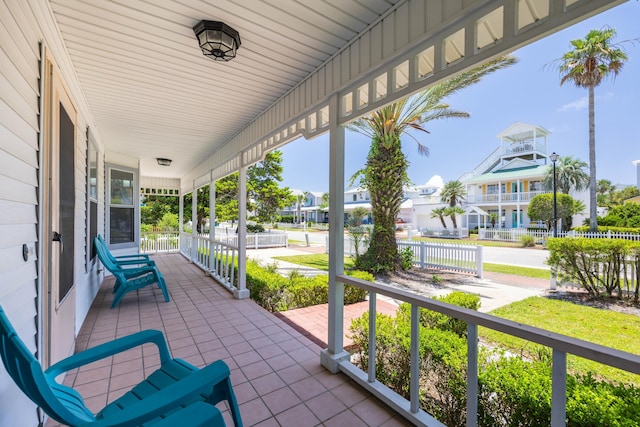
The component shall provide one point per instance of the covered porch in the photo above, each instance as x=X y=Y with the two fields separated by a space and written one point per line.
x=275 y=369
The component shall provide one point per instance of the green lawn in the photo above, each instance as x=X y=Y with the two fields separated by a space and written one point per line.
x=605 y=327
x=319 y=261
x=469 y=241
x=538 y=273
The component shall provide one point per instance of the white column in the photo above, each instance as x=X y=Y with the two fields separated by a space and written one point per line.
x=212 y=223
x=518 y=198
x=241 y=291
x=500 y=205
x=194 y=221
x=181 y=213
x=335 y=353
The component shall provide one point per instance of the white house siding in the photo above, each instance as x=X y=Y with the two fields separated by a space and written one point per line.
x=23 y=24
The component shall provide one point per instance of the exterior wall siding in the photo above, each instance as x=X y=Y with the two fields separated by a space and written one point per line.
x=19 y=56
x=23 y=25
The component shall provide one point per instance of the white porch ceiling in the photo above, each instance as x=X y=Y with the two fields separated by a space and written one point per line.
x=153 y=93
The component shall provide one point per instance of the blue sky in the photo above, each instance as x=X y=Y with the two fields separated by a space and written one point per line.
x=527 y=92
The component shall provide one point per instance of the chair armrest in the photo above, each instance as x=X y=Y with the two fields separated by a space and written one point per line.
x=142 y=262
x=111 y=348
x=167 y=399
x=139 y=256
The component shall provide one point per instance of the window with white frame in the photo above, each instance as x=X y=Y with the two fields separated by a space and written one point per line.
x=122 y=214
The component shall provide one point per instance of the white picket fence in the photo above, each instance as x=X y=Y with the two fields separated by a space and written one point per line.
x=462 y=258
x=515 y=234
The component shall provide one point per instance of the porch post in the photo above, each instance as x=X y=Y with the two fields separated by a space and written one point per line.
x=212 y=223
x=241 y=291
x=194 y=221
x=331 y=357
x=181 y=214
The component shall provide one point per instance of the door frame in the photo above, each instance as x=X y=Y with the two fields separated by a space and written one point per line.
x=57 y=316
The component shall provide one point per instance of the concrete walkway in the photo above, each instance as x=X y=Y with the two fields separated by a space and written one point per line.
x=495 y=289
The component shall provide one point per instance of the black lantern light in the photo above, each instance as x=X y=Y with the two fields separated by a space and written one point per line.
x=217 y=40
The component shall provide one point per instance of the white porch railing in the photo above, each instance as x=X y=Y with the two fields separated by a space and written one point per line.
x=515 y=234
x=461 y=258
x=214 y=257
x=561 y=345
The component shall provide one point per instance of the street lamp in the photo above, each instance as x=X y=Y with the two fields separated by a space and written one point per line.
x=554 y=158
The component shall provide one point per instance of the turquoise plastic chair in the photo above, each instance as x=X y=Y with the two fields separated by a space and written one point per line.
x=130 y=278
x=177 y=393
x=137 y=259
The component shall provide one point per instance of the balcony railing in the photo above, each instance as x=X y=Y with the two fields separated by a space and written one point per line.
x=561 y=345
x=214 y=257
x=505 y=197
x=524 y=147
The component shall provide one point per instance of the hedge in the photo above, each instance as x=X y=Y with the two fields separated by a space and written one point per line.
x=277 y=293
x=600 y=266
x=606 y=229
x=513 y=392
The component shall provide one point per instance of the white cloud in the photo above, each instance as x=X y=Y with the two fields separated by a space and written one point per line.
x=584 y=102
x=575 y=105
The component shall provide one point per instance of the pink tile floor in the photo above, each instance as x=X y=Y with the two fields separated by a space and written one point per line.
x=274 y=360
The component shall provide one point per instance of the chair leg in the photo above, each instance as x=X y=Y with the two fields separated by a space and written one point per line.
x=163 y=286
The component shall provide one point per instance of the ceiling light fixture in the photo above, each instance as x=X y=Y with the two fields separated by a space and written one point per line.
x=217 y=40
x=164 y=162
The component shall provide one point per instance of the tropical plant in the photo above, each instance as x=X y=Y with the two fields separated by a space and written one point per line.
x=451 y=212
x=439 y=213
x=385 y=172
x=453 y=192
x=570 y=175
x=590 y=61
x=300 y=199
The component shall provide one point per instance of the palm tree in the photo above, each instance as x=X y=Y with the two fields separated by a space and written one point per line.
x=452 y=193
x=591 y=60
x=452 y=211
x=605 y=189
x=570 y=174
x=385 y=172
x=300 y=198
x=439 y=213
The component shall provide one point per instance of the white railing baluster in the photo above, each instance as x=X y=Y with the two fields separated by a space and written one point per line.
x=559 y=389
x=415 y=359
x=372 y=336
x=472 y=375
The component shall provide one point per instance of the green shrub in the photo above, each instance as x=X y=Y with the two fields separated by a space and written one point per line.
x=606 y=229
x=442 y=363
x=596 y=264
x=527 y=241
x=406 y=258
x=433 y=319
x=255 y=228
x=276 y=293
x=516 y=392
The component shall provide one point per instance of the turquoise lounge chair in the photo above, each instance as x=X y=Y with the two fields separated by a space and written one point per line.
x=177 y=393
x=130 y=278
